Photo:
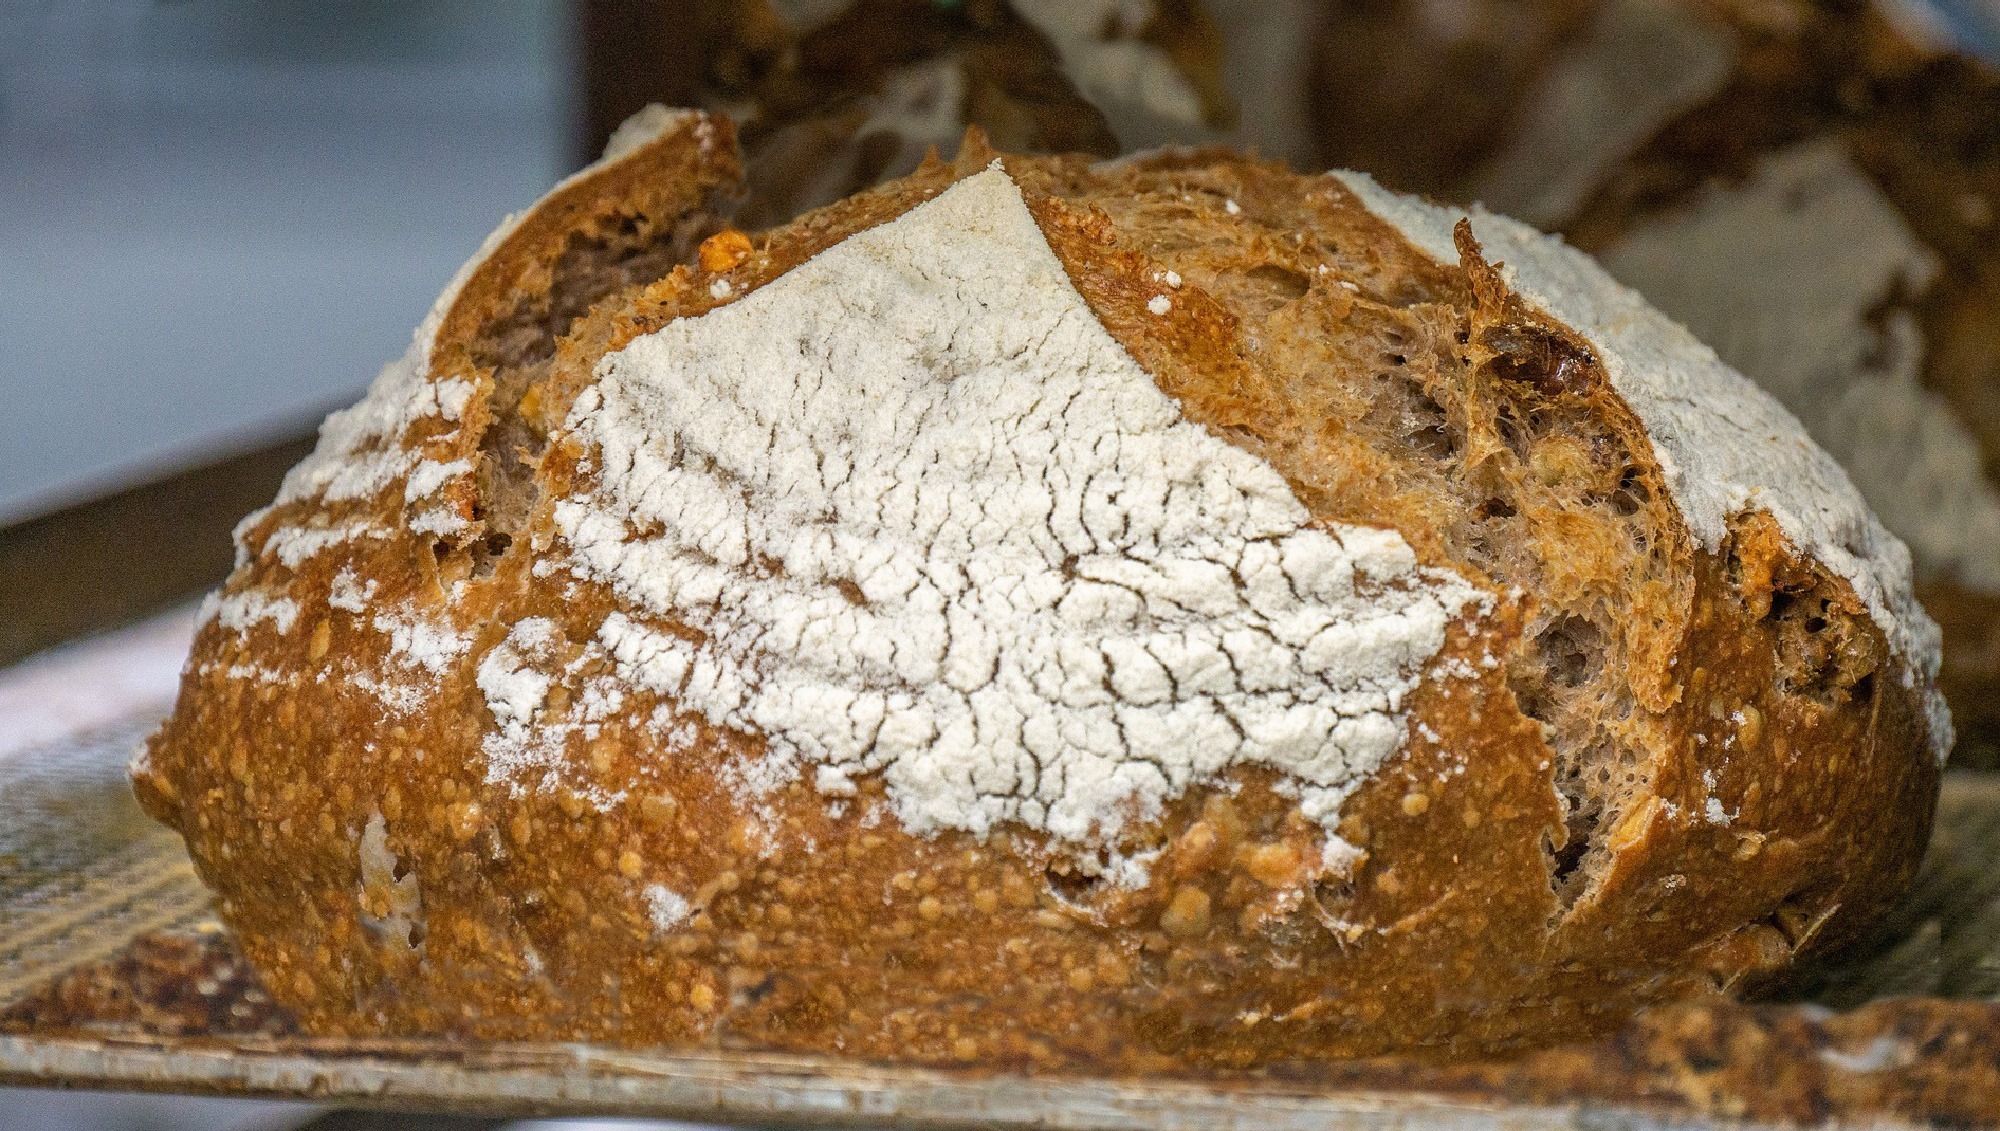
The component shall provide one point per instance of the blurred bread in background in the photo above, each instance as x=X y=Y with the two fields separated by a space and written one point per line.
x=833 y=96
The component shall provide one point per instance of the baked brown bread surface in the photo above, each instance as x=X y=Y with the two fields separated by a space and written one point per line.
x=1148 y=615
x=1809 y=185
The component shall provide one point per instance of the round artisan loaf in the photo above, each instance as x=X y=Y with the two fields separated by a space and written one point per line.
x=1160 y=613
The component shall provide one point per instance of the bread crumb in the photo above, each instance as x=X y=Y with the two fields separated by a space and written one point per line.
x=1187 y=915
x=702 y=997
x=723 y=250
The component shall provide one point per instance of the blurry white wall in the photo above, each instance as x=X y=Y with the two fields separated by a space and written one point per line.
x=220 y=217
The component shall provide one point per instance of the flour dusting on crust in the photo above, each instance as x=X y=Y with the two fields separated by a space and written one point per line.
x=360 y=450
x=1724 y=445
x=933 y=522
x=366 y=450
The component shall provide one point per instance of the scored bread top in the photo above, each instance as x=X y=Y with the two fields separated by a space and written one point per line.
x=1724 y=444
x=908 y=503
x=931 y=521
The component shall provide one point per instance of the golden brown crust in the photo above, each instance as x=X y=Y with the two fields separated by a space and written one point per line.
x=383 y=885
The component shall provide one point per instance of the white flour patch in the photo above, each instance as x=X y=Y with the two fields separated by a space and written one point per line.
x=1724 y=445
x=933 y=522
x=240 y=612
x=349 y=593
x=453 y=394
x=422 y=644
x=514 y=690
x=251 y=673
x=439 y=521
x=396 y=698
x=529 y=744
x=294 y=545
x=1779 y=274
x=429 y=476
x=667 y=908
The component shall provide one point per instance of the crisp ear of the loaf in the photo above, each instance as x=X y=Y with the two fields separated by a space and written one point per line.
x=1727 y=448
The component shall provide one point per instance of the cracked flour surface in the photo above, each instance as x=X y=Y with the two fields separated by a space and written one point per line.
x=935 y=523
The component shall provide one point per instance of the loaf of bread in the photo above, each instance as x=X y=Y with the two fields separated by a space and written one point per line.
x=1810 y=187
x=1152 y=614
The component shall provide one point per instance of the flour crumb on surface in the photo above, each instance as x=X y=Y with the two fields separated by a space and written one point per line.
x=453 y=394
x=1160 y=304
x=514 y=690
x=667 y=908
x=293 y=546
x=422 y=644
x=348 y=593
x=240 y=612
x=427 y=477
x=930 y=521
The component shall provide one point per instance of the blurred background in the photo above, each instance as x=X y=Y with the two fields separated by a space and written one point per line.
x=219 y=218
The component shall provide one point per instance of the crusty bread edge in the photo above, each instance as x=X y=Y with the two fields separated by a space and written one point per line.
x=404 y=383
x=1724 y=445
